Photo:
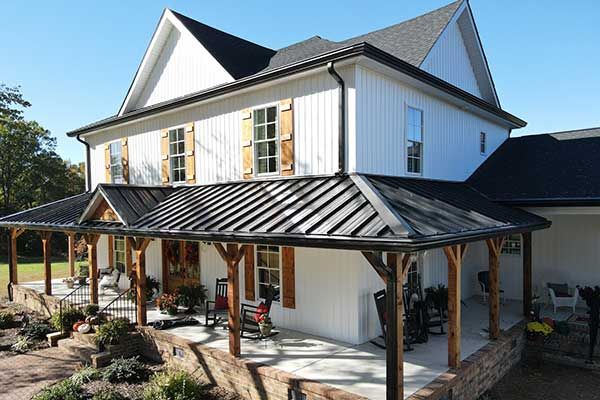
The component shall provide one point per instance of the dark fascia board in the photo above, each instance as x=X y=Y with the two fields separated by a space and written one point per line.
x=552 y=202
x=360 y=49
x=313 y=241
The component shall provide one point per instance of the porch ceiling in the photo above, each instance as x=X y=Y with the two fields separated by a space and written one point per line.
x=347 y=211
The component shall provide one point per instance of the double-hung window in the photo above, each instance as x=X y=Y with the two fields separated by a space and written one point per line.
x=269 y=271
x=119 y=253
x=116 y=162
x=177 y=154
x=414 y=141
x=482 y=142
x=266 y=140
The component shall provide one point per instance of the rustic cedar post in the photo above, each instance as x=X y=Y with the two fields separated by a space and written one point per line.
x=140 y=245
x=71 y=250
x=455 y=255
x=232 y=257
x=13 y=273
x=46 y=241
x=494 y=248
x=393 y=274
x=92 y=244
x=527 y=272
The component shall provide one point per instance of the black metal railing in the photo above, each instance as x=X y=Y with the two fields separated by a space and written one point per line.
x=79 y=298
x=124 y=306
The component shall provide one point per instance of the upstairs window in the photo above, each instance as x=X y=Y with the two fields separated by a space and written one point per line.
x=177 y=154
x=512 y=245
x=266 y=140
x=268 y=269
x=414 y=141
x=116 y=162
x=482 y=142
x=119 y=253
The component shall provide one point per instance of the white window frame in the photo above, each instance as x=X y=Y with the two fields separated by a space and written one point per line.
x=257 y=274
x=407 y=141
x=482 y=143
x=116 y=252
x=512 y=246
x=276 y=140
x=171 y=156
x=116 y=164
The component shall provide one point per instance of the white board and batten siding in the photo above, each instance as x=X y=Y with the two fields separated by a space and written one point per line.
x=218 y=133
x=450 y=135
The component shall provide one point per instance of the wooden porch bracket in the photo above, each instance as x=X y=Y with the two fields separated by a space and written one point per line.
x=139 y=246
x=455 y=255
x=46 y=242
x=92 y=244
x=494 y=248
x=13 y=264
x=393 y=274
x=71 y=252
x=527 y=274
x=232 y=256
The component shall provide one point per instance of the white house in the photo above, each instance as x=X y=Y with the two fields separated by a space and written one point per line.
x=315 y=157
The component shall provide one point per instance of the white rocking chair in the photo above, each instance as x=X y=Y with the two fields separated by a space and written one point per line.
x=110 y=281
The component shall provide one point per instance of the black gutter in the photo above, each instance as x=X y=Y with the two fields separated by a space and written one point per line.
x=342 y=118
x=360 y=49
x=88 y=163
x=551 y=202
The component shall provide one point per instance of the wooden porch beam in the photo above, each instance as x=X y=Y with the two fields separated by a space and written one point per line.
x=139 y=246
x=46 y=242
x=383 y=270
x=91 y=241
x=455 y=255
x=527 y=274
x=71 y=252
x=494 y=249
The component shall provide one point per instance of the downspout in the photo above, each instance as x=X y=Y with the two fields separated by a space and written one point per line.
x=342 y=114
x=88 y=163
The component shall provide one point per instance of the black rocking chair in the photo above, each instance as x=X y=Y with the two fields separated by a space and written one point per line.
x=380 y=304
x=215 y=313
x=250 y=314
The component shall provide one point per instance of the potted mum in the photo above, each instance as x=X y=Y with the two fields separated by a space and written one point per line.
x=70 y=282
x=265 y=325
x=167 y=303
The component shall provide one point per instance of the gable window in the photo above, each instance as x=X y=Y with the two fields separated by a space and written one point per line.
x=177 y=154
x=482 y=142
x=512 y=245
x=119 y=253
x=266 y=140
x=268 y=270
x=116 y=162
x=414 y=141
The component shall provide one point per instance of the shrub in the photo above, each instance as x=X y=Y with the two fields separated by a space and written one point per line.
x=152 y=289
x=36 y=330
x=172 y=385
x=6 y=319
x=91 y=310
x=64 y=390
x=112 y=332
x=130 y=370
x=22 y=345
x=86 y=375
x=108 y=395
x=69 y=317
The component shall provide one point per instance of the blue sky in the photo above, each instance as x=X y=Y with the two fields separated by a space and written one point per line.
x=75 y=60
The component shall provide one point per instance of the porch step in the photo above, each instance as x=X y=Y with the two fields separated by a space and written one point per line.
x=81 y=350
x=86 y=339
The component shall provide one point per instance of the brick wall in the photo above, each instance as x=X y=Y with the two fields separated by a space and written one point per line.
x=35 y=301
x=249 y=379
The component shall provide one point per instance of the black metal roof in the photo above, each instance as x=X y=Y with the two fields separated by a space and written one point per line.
x=561 y=168
x=349 y=211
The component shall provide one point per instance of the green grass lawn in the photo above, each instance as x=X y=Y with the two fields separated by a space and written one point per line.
x=32 y=269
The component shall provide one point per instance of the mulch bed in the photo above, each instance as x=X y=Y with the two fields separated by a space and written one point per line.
x=10 y=335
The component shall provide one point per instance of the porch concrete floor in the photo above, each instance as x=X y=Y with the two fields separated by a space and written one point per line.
x=355 y=368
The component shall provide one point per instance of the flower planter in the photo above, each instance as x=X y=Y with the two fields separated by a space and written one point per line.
x=265 y=329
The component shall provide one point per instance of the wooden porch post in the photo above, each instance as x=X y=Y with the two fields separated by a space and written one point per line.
x=494 y=248
x=92 y=244
x=455 y=255
x=232 y=256
x=140 y=245
x=46 y=241
x=13 y=265
x=71 y=250
x=527 y=274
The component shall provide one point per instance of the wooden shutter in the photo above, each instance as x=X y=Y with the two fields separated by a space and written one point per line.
x=111 y=251
x=247 y=156
x=107 y=162
x=288 y=270
x=286 y=135
x=125 y=159
x=249 y=273
x=164 y=156
x=128 y=257
x=190 y=158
